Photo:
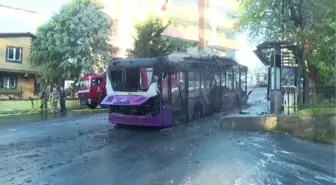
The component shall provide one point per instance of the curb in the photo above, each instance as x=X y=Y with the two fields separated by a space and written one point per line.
x=315 y=128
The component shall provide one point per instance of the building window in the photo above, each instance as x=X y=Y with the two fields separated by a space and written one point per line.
x=231 y=36
x=177 y=22
x=220 y=30
x=184 y=2
x=8 y=82
x=14 y=54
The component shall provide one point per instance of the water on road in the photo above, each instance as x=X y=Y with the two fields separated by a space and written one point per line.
x=258 y=103
x=86 y=150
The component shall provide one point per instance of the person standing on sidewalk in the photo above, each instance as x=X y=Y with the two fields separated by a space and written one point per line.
x=53 y=98
x=62 y=100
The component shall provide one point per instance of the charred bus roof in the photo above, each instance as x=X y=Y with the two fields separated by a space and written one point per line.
x=174 y=60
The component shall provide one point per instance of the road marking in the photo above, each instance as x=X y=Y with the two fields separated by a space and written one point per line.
x=12 y=130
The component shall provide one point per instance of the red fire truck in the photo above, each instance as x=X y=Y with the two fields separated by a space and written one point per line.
x=91 y=89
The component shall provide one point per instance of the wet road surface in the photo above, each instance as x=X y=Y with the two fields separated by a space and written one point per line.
x=87 y=150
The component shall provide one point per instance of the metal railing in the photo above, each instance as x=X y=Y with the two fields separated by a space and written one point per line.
x=320 y=97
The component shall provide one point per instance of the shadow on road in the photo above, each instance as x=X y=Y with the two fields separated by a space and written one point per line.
x=139 y=128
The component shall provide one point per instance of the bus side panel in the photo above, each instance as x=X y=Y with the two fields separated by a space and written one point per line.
x=167 y=116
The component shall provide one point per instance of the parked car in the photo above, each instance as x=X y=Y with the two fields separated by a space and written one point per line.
x=263 y=84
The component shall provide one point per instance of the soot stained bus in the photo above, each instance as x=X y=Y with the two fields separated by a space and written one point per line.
x=171 y=89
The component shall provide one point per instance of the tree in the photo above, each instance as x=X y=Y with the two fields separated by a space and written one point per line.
x=259 y=74
x=250 y=76
x=307 y=23
x=74 y=40
x=321 y=49
x=149 y=41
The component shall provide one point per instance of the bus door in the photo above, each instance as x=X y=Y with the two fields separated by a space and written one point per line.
x=217 y=89
x=171 y=92
x=185 y=96
x=176 y=94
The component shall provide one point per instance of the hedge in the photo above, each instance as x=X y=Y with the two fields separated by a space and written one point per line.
x=12 y=91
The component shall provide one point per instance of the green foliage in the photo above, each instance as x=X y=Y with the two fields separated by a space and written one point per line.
x=266 y=20
x=322 y=37
x=74 y=40
x=317 y=111
x=11 y=92
x=149 y=41
x=270 y=20
x=22 y=107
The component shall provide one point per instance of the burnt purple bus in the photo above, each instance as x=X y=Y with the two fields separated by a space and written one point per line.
x=172 y=89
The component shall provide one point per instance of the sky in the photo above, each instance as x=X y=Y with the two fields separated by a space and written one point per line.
x=245 y=55
x=46 y=8
x=43 y=7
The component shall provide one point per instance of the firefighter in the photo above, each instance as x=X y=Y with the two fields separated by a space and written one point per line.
x=53 y=99
x=43 y=102
x=62 y=97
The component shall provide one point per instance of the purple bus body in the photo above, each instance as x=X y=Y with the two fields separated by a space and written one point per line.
x=165 y=117
x=198 y=95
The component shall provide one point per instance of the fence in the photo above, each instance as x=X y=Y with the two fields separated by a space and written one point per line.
x=321 y=97
x=290 y=100
x=318 y=97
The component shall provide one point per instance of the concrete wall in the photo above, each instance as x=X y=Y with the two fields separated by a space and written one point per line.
x=316 y=127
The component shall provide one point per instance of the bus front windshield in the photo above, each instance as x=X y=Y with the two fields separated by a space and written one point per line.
x=132 y=80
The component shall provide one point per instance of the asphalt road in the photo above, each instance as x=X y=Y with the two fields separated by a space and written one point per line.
x=85 y=150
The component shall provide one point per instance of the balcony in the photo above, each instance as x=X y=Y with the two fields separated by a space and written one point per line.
x=189 y=33
x=187 y=12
